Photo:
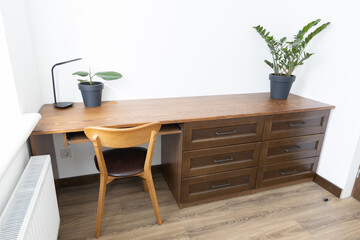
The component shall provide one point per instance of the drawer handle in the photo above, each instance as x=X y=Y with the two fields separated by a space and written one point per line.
x=292 y=149
x=288 y=173
x=221 y=185
x=223 y=160
x=297 y=124
x=225 y=133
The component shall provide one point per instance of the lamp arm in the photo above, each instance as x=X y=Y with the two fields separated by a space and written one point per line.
x=52 y=74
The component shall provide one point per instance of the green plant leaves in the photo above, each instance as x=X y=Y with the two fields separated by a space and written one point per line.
x=314 y=33
x=288 y=55
x=108 y=75
x=274 y=47
x=269 y=63
x=81 y=80
x=299 y=37
x=81 y=73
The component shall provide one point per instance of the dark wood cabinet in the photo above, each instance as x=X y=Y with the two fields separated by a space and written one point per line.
x=230 y=157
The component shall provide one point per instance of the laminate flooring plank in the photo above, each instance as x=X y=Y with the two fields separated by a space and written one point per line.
x=289 y=230
x=171 y=231
x=336 y=213
x=348 y=230
x=293 y=212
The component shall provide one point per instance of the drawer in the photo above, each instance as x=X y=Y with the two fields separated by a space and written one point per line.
x=295 y=124
x=216 y=133
x=285 y=172
x=276 y=151
x=213 y=185
x=220 y=159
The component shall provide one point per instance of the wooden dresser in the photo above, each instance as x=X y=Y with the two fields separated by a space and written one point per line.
x=213 y=147
x=223 y=158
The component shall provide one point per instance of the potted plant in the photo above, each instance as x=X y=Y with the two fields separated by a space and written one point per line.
x=91 y=91
x=286 y=56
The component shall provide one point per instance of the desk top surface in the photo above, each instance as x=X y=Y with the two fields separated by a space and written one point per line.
x=127 y=113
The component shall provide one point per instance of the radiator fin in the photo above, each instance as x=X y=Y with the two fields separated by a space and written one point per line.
x=32 y=211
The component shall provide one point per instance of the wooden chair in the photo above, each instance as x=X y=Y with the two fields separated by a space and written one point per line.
x=124 y=160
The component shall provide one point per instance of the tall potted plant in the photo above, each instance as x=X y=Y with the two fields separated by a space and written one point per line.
x=91 y=91
x=287 y=56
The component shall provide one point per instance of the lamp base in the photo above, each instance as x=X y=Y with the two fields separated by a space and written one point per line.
x=63 y=104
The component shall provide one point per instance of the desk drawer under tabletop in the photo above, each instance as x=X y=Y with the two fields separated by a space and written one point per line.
x=295 y=124
x=214 y=133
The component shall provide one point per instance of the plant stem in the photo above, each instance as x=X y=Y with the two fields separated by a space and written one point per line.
x=90 y=76
x=297 y=59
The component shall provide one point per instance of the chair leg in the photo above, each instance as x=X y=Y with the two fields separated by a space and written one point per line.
x=100 y=208
x=150 y=184
x=146 y=189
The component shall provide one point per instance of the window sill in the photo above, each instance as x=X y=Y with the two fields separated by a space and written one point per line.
x=13 y=136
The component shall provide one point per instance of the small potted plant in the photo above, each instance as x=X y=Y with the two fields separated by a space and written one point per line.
x=91 y=91
x=286 y=56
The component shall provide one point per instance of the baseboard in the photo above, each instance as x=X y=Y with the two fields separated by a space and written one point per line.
x=332 y=188
x=88 y=179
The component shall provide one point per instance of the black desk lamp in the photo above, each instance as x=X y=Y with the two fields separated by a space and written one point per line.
x=61 y=104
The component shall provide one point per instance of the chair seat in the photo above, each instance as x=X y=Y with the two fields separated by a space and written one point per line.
x=122 y=162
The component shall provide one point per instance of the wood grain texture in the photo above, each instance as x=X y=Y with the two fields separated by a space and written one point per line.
x=80 y=137
x=205 y=134
x=129 y=113
x=220 y=159
x=217 y=184
x=289 y=171
x=123 y=138
x=171 y=160
x=295 y=212
x=43 y=145
x=91 y=178
x=295 y=124
x=288 y=149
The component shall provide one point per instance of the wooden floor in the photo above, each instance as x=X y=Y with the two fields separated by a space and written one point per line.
x=295 y=212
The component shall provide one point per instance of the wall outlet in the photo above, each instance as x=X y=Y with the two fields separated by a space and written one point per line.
x=65 y=153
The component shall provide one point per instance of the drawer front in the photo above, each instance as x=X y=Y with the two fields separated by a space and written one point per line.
x=276 y=151
x=295 y=124
x=216 y=133
x=213 y=185
x=274 y=174
x=220 y=159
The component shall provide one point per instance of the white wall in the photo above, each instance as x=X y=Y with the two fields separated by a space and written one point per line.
x=28 y=86
x=169 y=48
x=9 y=180
x=20 y=86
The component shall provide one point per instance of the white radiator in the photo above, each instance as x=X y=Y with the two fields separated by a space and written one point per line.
x=32 y=212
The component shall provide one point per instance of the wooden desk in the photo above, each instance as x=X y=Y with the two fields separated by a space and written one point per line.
x=213 y=146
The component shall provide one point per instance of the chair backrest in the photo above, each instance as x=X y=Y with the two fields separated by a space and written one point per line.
x=123 y=138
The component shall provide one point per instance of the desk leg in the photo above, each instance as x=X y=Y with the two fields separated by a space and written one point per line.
x=44 y=145
x=171 y=157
